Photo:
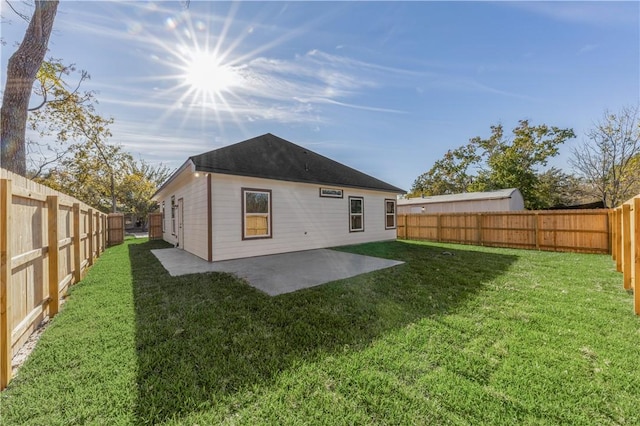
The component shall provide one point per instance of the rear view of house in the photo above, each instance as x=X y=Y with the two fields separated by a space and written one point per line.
x=267 y=195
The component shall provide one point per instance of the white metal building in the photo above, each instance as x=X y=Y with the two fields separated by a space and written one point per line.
x=266 y=196
x=502 y=200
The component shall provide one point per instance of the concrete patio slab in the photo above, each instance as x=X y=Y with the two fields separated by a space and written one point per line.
x=279 y=273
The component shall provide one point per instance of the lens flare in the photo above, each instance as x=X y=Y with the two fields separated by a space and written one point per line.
x=205 y=74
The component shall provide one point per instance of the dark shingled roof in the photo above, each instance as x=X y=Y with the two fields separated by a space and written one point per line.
x=271 y=157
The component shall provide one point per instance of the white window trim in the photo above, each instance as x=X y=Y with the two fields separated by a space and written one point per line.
x=361 y=214
x=394 y=214
x=245 y=215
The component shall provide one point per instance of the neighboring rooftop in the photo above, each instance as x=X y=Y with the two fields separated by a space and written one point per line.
x=271 y=157
x=466 y=196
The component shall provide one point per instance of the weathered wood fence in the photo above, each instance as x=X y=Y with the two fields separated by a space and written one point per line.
x=155 y=226
x=47 y=242
x=626 y=246
x=115 y=229
x=584 y=231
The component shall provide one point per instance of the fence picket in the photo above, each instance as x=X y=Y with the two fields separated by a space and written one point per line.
x=635 y=243
x=5 y=282
x=54 y=251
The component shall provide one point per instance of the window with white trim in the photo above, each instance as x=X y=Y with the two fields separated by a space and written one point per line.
x=256 y=213
x=356 y=214
x=390 y=214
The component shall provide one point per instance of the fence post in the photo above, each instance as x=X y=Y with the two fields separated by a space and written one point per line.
x=77 y=262
x=96 y=219
x=613 y=231
x=610 y=232
x=438 y=227
x=479 y=224
x=5 y=282
x=99 y=232
x=636 y=245
x=104 y=232
x=91 y=247
x=619 y=239
x=626 y=246
x=54 y=249
x=536 y=230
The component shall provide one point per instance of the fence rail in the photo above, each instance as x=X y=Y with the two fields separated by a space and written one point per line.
x=47 y=241
x=585 y=231
x=625 y=249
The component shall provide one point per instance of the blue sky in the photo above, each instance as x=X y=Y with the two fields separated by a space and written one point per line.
x=384 y=87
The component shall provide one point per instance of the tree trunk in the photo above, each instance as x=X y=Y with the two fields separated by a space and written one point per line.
x=113 y=191
x=21 y=72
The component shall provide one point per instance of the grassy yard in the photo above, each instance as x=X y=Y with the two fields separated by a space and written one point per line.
x=484 y=336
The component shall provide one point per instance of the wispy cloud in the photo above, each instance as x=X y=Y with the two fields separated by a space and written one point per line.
x=588 y=48
x=160 y=142
x=271 y=86
x=285 y=90
x=465 y=84
x=362 y=107
x=594 y=13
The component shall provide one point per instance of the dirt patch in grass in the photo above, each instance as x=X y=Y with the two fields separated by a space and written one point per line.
x=24 y=352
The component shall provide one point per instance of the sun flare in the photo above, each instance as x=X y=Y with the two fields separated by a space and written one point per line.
x=204 y=73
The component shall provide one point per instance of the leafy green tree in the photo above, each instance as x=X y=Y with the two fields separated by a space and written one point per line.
x=609 y=160
x=498 y=162
x=556 y=188
x=87 y=176
x=120 y=181
x=449 y=175
x=55 y=118
x=140 y=182
x=515 y=162
x=80 y=160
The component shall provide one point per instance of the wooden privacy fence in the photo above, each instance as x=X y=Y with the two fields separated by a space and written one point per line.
x=625 y=249
x=47 y=241
x=155 y=226
x=584 y=231
x=115 y=229
x=257 y=224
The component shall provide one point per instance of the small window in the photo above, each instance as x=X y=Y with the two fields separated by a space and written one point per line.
x=390 y=214
x=356 y=214
x=256 y=213
x=173 y=214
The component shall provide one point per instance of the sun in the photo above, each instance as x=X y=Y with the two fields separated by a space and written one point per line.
x=204 y=73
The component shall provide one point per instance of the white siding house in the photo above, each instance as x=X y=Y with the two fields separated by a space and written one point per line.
x=493 y=201
x=266 y=196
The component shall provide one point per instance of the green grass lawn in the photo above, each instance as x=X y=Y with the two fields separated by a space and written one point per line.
x=486 y=336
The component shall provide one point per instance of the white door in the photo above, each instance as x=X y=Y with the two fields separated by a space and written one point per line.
x=180 y=224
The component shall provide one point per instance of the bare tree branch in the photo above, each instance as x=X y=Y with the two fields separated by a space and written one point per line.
x=609 y=160
x=21 y=15
x=41 y=164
